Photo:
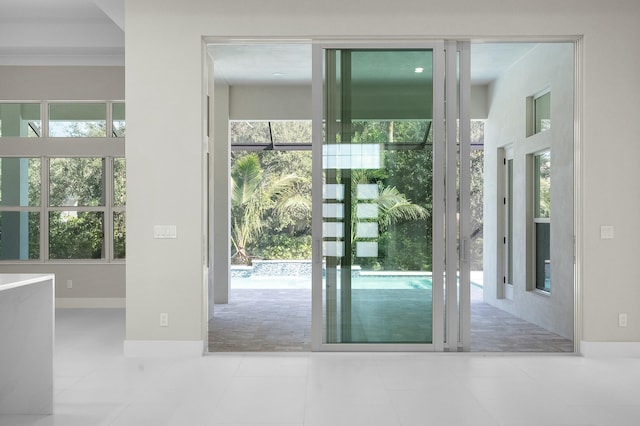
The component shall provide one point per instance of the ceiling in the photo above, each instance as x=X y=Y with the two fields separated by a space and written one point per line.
x=91 y=32
x=291 y=63
x=62 y=32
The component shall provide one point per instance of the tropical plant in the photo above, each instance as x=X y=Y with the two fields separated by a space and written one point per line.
x=393 y=206
x=257 y=194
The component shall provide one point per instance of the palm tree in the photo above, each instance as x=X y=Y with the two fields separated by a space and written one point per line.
x=393 y=206
x=255 y=195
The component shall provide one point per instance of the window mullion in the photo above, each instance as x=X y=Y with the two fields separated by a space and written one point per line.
x=109 y=124
x=44 y=117
x=44 y=209
x=108 y=203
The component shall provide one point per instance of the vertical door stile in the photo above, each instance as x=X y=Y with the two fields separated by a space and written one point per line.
x=438 y=196
x=346 y=262
x=316 y=155
x=465 y=195
x=451 y=198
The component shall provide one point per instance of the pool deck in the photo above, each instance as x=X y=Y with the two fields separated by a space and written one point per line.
x=278 y=318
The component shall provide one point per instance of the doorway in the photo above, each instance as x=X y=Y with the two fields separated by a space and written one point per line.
x=262 y=143
x=333 y=310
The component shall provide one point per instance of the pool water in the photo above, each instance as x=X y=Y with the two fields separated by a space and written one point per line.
x=373 y=282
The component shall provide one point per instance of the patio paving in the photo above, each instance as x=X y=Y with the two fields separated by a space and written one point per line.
x=279 y=320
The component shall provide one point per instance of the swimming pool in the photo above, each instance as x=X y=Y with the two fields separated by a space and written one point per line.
x=373 y=281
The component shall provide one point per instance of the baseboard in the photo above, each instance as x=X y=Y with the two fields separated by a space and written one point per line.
x=610 y=349
x=90 y=302
x=163 y=348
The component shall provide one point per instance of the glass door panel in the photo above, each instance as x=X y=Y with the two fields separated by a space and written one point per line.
x=377 y=196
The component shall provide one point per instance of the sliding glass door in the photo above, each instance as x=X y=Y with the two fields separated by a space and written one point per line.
x=379 y=177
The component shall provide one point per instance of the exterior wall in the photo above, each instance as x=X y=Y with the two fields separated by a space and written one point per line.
x=220 y=274
x=164 y=57
x=254 y=102
x=548 y=66
x=94 y=284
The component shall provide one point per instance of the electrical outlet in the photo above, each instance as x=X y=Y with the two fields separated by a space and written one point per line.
x=69 y=284
x=164 y=319
x=622 y=319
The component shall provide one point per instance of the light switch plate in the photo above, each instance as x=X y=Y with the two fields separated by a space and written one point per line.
x=165 y=231
x=606 y=232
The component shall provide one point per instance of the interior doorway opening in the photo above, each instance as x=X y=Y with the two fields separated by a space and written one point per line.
x=269 y=307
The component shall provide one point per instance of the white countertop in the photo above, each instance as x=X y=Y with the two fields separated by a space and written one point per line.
x=8 y=281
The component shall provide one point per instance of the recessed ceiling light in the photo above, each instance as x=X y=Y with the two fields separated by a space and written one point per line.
x=418 y=70
x=278 y=74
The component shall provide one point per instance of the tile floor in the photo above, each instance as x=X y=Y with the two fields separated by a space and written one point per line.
x=95 y=385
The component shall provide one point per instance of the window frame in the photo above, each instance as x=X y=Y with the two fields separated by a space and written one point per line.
x=27 y=209
x=536 y=219
x=108 y=121
x=46 y=148
x=532 y=113
x=273 y=144
x=35 y=103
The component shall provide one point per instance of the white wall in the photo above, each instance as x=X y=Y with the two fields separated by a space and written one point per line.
x=220 y=148
x=93 y=284
x=479 y=102
x=164 y=137
x=547 y=67
x=63 y=83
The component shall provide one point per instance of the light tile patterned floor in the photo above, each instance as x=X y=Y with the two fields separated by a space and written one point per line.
x=96 y=386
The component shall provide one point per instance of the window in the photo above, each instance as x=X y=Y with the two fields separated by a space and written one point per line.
x=117 y=119
x=76 y=208
x=268 y=134
x=55 y=206
x=78 y=120
x=542 y=220
x=538 y=113
x=20 y=197
x=119 y=200
x=20 y=120
x=542 y=112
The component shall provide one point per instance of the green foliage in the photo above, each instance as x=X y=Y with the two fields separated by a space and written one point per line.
x=283 y=246
x=543 y=184
x=119 y=235
x=75 y=236
x=477 y=208
x=76 y=182
x=405 y=199
x=119 y=182
x=250 y=132
x=406 y=247
x=262 y=195
x=34 y=235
